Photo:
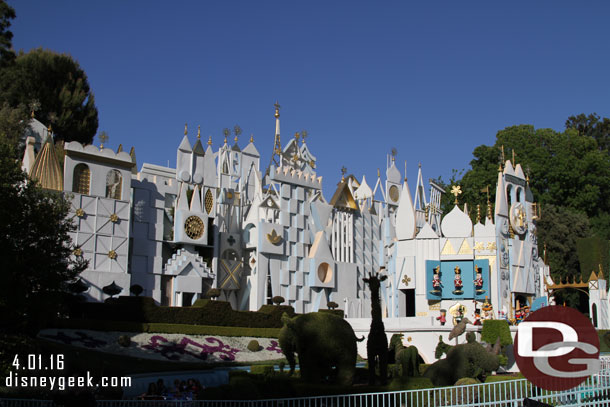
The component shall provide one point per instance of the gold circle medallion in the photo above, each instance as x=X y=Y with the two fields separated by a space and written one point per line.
x=193 y=227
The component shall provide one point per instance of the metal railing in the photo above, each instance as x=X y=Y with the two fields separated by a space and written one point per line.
x=595 y=391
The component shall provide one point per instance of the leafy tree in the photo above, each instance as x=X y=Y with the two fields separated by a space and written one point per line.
x=7 y=13
x=61 y=88
x=35 y=247
x=559 y=229
x=592 y=126
x=13 y=121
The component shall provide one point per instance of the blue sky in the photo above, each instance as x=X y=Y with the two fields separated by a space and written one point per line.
x=433 y=79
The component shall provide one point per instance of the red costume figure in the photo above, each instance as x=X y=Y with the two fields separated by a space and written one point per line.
x=443 y=317
x=478 y=282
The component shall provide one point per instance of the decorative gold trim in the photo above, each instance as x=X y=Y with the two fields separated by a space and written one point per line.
x=80 y=212
x=112 y=254
x=274 y=238
x=77 y=252
x=406 y=280
x=114 y=218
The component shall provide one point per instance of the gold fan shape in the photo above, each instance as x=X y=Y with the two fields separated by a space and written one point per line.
x=274 y=238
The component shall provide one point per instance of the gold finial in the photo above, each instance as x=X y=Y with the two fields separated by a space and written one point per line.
x=226 y=133
x=478 y=213
x=210 y=141
x=456 y=190
x=237 y=132
x=277 y=109
x=198 y=132
x=378 y=173
x=32 y=115
x=297 y=136
x=251 y=138
x=343 y=171
x=304 y=135
x=185 y=129
x=394 y=152
x=49 y=129
x=103 y=138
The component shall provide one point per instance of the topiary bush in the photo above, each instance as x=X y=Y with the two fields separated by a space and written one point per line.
x=494 y=329
x=465 y=395
x=466 y=360
x=332 y=305
x=278 y=299
x=213 y=293
x=254 y=346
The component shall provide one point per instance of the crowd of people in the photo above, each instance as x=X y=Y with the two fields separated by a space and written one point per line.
x=181 y=390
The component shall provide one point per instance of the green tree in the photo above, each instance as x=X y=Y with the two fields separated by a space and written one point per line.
x=592 y=126
x=60 y=86
x=7 y=13
x=559 y=229
x=35 y=247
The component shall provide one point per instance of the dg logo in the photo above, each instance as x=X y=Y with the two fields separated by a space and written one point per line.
x=557 y=348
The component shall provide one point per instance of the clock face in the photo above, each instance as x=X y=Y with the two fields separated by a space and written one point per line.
x=518 y=218
x=394 y=194
x=193 y=227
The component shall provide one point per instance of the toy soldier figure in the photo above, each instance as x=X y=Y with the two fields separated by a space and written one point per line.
x=457 y=281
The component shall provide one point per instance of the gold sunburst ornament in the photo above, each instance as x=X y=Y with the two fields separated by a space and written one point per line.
x=456 y=190
x=112 y=254
x=114 y=218
x=80 y=212
x=78 y=252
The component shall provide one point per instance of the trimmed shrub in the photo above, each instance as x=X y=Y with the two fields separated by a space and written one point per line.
x=278 y=299
x=465 y=395
x=466 y=360
x=254 y=346
x=332 y=305
x=494 y=329
x=213 y=293
x=215 y=313
x=136 y=290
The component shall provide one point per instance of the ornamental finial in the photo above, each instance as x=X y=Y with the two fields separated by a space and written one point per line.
x=277 y=109
x=198 y=132
x=185 y=129
x=456 y=190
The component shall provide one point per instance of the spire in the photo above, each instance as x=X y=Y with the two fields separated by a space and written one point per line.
x=210 y=141
x=186 y=132
x=198 y=132
x=46 y=169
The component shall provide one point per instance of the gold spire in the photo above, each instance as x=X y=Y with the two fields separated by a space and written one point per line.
x=46 y=169
x=297 y=136
x=210 y=141
x=185 y=129
x=251 y=138
x=198 y=132
x=378 y=173
x=277 y=110
x=343 y=171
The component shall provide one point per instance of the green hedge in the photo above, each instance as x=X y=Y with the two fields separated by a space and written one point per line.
x=336 y=312
x=205 y=312
x=123 y=326
x=494 y=328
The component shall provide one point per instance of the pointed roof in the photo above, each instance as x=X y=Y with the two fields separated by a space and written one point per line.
x=196 y=200
x=46 y=169
x=392 y=174
x=185 y=145
x=183 y=201
x=420 y=194
x=427 y=232
x=251 y=149
x=363 y=191
x=501 y=203
x=269 y=202
x=198 y=147
x=508 y=168
x=343 y=198
x=519 y=171
x=405 y=215
x=456 y=224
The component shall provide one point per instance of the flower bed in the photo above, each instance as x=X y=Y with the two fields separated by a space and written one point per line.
x=169 y=347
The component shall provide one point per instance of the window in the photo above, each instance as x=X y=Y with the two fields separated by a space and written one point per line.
x=114 y=184
x=81 y=180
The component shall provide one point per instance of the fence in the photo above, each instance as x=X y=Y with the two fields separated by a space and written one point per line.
x=595 y=391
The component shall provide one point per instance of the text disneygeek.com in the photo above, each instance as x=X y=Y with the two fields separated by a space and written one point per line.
x=62 y=382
